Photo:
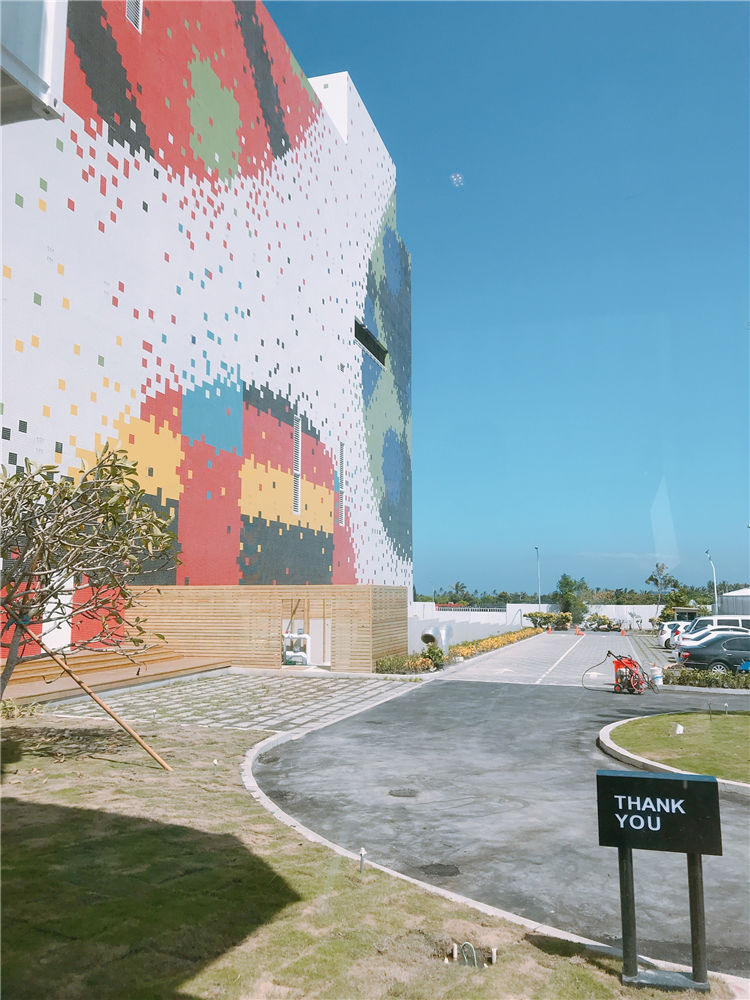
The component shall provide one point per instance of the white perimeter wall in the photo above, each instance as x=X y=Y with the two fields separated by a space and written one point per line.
x=462 y=624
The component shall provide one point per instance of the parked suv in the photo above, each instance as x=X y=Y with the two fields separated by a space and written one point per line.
x=708 y=621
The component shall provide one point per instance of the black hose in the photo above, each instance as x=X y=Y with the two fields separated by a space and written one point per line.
x=583 y=675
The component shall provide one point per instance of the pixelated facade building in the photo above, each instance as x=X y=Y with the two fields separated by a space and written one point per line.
x=201 y=264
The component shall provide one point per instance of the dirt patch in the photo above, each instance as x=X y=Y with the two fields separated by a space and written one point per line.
x=481 y=936
x=267 y=989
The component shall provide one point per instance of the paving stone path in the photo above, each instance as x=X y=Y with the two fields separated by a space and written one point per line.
x=272 y=702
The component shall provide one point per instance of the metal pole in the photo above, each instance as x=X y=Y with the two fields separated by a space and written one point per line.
x=716 y=596
x=538 y=581
x=697 y=917
x=627 y=913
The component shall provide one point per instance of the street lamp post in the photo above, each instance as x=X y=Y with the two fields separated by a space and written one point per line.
x=716 y=596
x=538 y=581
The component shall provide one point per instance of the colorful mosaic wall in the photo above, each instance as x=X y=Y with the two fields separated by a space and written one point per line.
x=185 y=256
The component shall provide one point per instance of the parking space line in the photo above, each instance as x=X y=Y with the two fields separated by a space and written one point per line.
x=549 y=671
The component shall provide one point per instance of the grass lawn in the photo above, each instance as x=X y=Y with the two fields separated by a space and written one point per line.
x=124 y=881
x=715 y=743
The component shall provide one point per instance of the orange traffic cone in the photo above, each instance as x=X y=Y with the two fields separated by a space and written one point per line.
x=549 y=630
x=622 y=631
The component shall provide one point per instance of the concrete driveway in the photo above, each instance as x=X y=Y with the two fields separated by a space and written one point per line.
x=483 y=781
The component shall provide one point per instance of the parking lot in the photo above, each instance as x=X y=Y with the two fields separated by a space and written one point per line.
x=561 y=658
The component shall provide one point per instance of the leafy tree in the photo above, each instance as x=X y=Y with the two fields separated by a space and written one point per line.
x=71 y=552
x=726 y=588
x=571 y=595
x=684 y=597
x=662 y=580
x=459 y=593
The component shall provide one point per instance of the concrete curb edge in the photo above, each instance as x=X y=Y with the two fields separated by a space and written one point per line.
x=607 y=745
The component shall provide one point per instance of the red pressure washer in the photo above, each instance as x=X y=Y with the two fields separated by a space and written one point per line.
x=630 y=677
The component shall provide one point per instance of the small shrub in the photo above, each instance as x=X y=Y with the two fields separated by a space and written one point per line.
x=601 y=623
x=10 y=709
x=400 y=663
x=541 y=619
x=435 y=654
x=705 y=678
x=562 y=622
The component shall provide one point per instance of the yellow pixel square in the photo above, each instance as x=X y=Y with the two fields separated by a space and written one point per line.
x=34 y=340
x=61 y=269
x=7 y=271
x=19 y=346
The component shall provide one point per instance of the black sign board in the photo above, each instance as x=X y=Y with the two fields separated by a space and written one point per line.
x=659 y=812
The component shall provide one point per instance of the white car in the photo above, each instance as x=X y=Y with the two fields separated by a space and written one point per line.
x=689 y=639
x=666 y=633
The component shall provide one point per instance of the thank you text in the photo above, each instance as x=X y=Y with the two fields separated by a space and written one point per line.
x=659 y=812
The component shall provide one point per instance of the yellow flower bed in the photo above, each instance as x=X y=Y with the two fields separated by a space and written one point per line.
x=477 y=646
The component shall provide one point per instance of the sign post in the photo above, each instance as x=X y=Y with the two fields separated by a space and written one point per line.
x=660 y=812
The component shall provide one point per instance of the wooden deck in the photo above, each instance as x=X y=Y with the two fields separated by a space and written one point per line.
x=42 y=679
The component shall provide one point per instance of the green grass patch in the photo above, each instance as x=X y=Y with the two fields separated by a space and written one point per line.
x=711 y=743
x=121 y=880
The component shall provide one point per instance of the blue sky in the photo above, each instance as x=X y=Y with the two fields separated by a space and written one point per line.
x=580 y=289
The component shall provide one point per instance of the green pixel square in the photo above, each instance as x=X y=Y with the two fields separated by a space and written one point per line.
x=42 y=184
x=19 y=200
x=37 y=299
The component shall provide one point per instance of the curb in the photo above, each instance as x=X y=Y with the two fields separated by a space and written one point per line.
x=605 y=743
x=691 y=689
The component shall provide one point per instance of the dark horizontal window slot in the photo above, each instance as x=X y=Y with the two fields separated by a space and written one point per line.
x=369 y=342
